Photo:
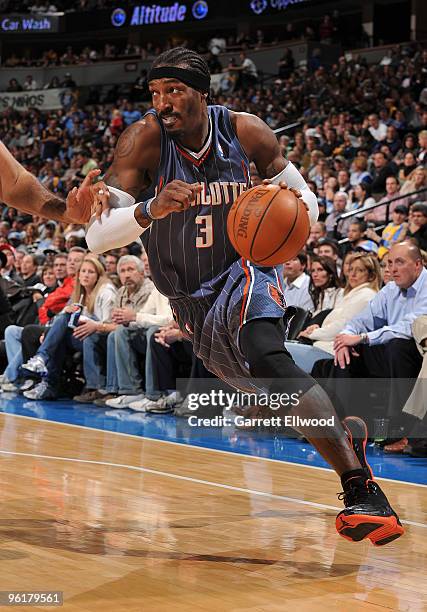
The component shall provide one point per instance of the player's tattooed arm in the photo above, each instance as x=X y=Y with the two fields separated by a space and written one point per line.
x=136 y=157
x=260 y=144
x=132 y=181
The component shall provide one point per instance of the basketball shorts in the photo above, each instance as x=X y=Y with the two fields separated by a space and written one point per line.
x=213 y=324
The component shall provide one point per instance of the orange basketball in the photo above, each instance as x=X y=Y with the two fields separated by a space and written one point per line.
x=268 y=225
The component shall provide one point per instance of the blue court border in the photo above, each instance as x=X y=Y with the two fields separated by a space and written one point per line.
x=172 y=429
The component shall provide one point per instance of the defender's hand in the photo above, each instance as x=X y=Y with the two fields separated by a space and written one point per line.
x=176 y=196
x=100 y=198
x=80 y=201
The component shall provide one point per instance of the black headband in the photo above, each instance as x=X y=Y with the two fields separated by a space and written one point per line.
x=186 y=75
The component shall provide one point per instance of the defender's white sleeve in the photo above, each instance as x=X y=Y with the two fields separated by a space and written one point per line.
x=292 y=177
x=117 y=229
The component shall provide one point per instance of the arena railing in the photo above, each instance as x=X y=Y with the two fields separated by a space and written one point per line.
x=358 y=212
x=284 y=128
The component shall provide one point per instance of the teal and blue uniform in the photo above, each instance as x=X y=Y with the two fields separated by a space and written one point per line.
x=212 y=290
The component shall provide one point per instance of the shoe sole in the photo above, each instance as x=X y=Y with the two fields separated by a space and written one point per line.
x=380 y=530
x=359 y=442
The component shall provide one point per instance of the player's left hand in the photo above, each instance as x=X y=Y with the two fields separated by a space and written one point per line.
x=83 y=201
x=283 y=185
x=343 y=340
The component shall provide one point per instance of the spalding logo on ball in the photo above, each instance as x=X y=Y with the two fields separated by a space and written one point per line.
x=268 y=225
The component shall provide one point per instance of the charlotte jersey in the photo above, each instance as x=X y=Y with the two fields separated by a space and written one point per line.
x=189 y=252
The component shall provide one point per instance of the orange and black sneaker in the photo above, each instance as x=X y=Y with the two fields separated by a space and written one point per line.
x=367 y=514
x=357 y=433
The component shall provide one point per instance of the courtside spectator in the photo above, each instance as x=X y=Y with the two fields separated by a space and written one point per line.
x=111 y=345
x=93 y=295
x=317 y=341
x=324 y=287
x=382 y=335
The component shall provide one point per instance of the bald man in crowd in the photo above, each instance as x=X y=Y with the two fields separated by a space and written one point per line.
x=378 y=343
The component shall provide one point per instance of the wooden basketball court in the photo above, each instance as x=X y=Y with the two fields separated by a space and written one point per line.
x=118 y=522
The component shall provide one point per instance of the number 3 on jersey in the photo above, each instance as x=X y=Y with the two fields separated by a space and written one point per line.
x=205 y=231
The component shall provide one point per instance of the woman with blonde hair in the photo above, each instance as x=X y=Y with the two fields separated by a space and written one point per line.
x=415 y=181
x=90 y=307
x=315 y=342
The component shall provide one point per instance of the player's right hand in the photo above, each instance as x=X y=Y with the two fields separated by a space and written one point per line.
x=176 y=196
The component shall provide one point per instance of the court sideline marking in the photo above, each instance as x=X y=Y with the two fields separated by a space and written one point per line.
x=205 y=448
x=190 y=479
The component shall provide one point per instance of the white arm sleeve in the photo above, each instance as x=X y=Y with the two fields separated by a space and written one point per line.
x=118 y=229
x=291 y=176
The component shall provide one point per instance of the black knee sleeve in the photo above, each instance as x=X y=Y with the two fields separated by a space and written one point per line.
x=262 y=342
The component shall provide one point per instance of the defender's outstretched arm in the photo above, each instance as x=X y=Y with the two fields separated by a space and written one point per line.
x=20 y=189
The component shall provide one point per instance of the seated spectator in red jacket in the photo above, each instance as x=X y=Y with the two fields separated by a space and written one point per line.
x=53 y=305
x=64 y=270
x=56 y=301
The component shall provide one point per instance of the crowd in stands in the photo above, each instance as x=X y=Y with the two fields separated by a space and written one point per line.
x=324 y=31
x=361 y=141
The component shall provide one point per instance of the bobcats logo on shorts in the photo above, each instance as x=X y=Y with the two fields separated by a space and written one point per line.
x=277 y=295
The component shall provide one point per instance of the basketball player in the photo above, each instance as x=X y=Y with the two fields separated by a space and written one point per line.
x=191 y=161
x=20 y=189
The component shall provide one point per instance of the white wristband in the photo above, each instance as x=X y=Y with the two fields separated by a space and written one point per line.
x=118 y=229
x=292 y=177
